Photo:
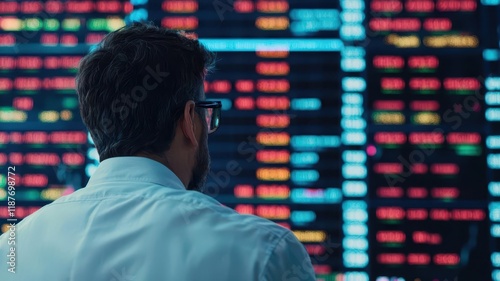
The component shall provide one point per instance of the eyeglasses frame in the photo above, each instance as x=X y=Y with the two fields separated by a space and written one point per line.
x=211 y=104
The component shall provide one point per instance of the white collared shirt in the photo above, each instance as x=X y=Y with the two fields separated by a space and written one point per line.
x=134 y=221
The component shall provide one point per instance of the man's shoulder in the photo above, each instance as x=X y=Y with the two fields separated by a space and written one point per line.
x=160 y=209
x=194 y=208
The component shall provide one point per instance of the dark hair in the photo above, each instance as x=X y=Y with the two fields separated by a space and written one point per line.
x=133 y=86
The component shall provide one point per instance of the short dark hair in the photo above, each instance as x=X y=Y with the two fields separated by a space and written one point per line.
x=133 y=86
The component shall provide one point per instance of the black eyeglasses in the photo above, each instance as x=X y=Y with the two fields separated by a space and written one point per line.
x=213 y=113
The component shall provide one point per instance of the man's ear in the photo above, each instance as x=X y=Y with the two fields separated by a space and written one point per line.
x=188 y=123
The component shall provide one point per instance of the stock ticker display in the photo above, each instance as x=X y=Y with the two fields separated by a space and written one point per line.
x=369 y=128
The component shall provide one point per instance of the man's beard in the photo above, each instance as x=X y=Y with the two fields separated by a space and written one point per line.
x=200 y=170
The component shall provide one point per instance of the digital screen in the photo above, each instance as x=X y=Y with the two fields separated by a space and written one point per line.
x=369 y=128
x=41 y=132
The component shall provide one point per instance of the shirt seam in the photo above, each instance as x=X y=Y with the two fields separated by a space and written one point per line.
x=281 y=238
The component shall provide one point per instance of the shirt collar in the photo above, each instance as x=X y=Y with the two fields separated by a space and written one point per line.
x=135 y=168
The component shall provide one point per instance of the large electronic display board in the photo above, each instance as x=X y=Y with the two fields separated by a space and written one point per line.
x=369 y=128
